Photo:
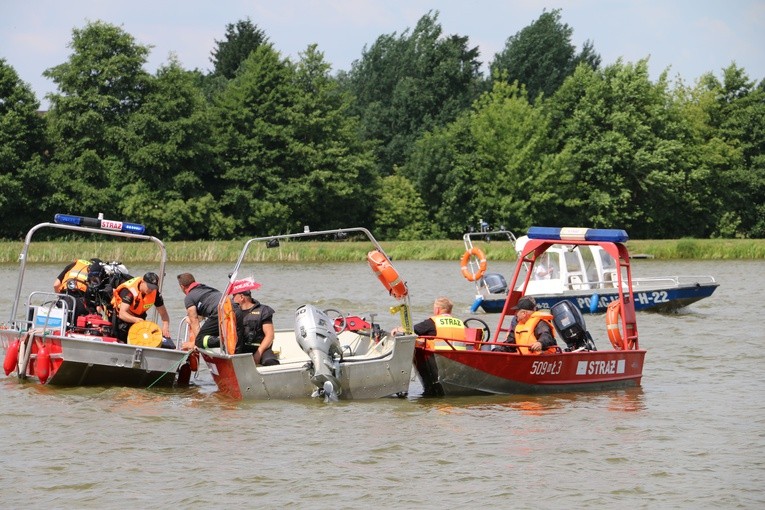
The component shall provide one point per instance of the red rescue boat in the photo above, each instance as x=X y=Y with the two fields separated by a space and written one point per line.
x=489 y=362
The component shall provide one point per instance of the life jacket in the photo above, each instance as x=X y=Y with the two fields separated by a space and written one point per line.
x=141 y=302
x=78 y=274
x=524 y=333
x=450 y=328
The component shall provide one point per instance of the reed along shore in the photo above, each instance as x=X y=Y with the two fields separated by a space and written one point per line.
x=304 y=251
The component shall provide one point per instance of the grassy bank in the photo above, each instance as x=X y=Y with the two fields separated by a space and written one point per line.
x=228 y=251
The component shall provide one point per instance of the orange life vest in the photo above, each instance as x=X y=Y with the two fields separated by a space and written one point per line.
x=450 y=328
x=78 y=274
x=141 y=302
x=524 y=333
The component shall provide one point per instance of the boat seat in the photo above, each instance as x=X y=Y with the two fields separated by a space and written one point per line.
x=575 y=282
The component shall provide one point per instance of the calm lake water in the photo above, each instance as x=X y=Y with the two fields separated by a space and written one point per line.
x=692 y=436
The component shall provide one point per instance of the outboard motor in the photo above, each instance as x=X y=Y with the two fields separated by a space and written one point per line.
x=316 y=335
x=569 y=322
x=495 y=283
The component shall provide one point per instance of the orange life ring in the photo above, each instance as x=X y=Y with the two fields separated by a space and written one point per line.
x=613 y=315
x=387 y=274
x=477 y=253
x=227 y=325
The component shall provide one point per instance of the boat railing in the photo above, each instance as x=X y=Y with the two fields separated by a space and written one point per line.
x=672 y=280
x=56 y=312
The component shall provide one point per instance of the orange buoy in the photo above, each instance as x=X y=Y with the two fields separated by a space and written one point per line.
x=477 y=253
x=387 y=274
x=11 y=361
x=42 y=364
x=227 y=325
x=613 y=315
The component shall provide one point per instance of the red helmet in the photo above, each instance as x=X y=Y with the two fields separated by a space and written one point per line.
x=244 y=285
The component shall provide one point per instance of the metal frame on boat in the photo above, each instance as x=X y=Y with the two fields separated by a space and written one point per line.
x=582 y=275
x=43 y=344
x=329 y=353
x=482 y=365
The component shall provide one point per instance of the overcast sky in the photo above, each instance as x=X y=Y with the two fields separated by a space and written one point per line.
x=690 y=37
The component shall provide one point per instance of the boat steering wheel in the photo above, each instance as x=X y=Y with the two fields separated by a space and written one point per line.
x=338 y=319
x=485 y=331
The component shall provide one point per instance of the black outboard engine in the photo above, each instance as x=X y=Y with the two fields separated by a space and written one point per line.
x=569 y=322
x=494 y=282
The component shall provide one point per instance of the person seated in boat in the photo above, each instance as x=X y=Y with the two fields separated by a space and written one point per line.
x=441 y=324
x=534 y=331
x=543 y=269
x=80 y=280
x=254 y=325
x=202 y=301
x=131 y=302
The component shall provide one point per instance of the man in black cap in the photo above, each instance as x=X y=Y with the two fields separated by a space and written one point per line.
x=534 y=331
x=132 y=301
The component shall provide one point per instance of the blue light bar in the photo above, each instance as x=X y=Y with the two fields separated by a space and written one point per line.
x=81 y=221
x=608 y=235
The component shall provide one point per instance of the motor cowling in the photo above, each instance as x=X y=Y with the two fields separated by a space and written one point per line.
x=316 y=335
x=569 y=322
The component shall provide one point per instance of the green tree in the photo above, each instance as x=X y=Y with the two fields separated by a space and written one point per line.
x=254 y=127
x=407 y=85
x=22 y=142
x=171 y=161
x=400 y=212
x=479 y=167
x=622 y=155
x=241 y=39
x=100 y=86
x=541 y=55
x=330 y=172
x=737 y=116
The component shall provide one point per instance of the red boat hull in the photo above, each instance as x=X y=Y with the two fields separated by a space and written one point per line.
x=449 y=372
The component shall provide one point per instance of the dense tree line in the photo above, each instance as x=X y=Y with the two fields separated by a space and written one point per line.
x=412 y=141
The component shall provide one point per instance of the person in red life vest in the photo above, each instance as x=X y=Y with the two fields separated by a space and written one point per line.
x=441 y=324
x=132 y=301
x=81 y=280
x=200 y=301
x=534 y=330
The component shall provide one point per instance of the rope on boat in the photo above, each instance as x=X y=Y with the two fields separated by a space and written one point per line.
x=174 y=369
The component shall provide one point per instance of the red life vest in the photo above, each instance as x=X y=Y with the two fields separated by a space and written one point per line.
x=141 y=302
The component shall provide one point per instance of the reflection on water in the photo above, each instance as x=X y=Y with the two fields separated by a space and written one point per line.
x=690 y=437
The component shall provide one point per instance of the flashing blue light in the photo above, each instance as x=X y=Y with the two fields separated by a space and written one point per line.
x=81 y=221
x=607 y=235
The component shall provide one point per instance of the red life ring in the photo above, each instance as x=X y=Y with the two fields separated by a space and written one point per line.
x=387 y=274
x=11 y=361
x=613 y=315
x=477 y=253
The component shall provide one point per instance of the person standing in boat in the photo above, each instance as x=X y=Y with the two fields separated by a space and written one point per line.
x=80 y=280
x=441 y=324
x=534 y=330
x=202 y=301
x=131 y=302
